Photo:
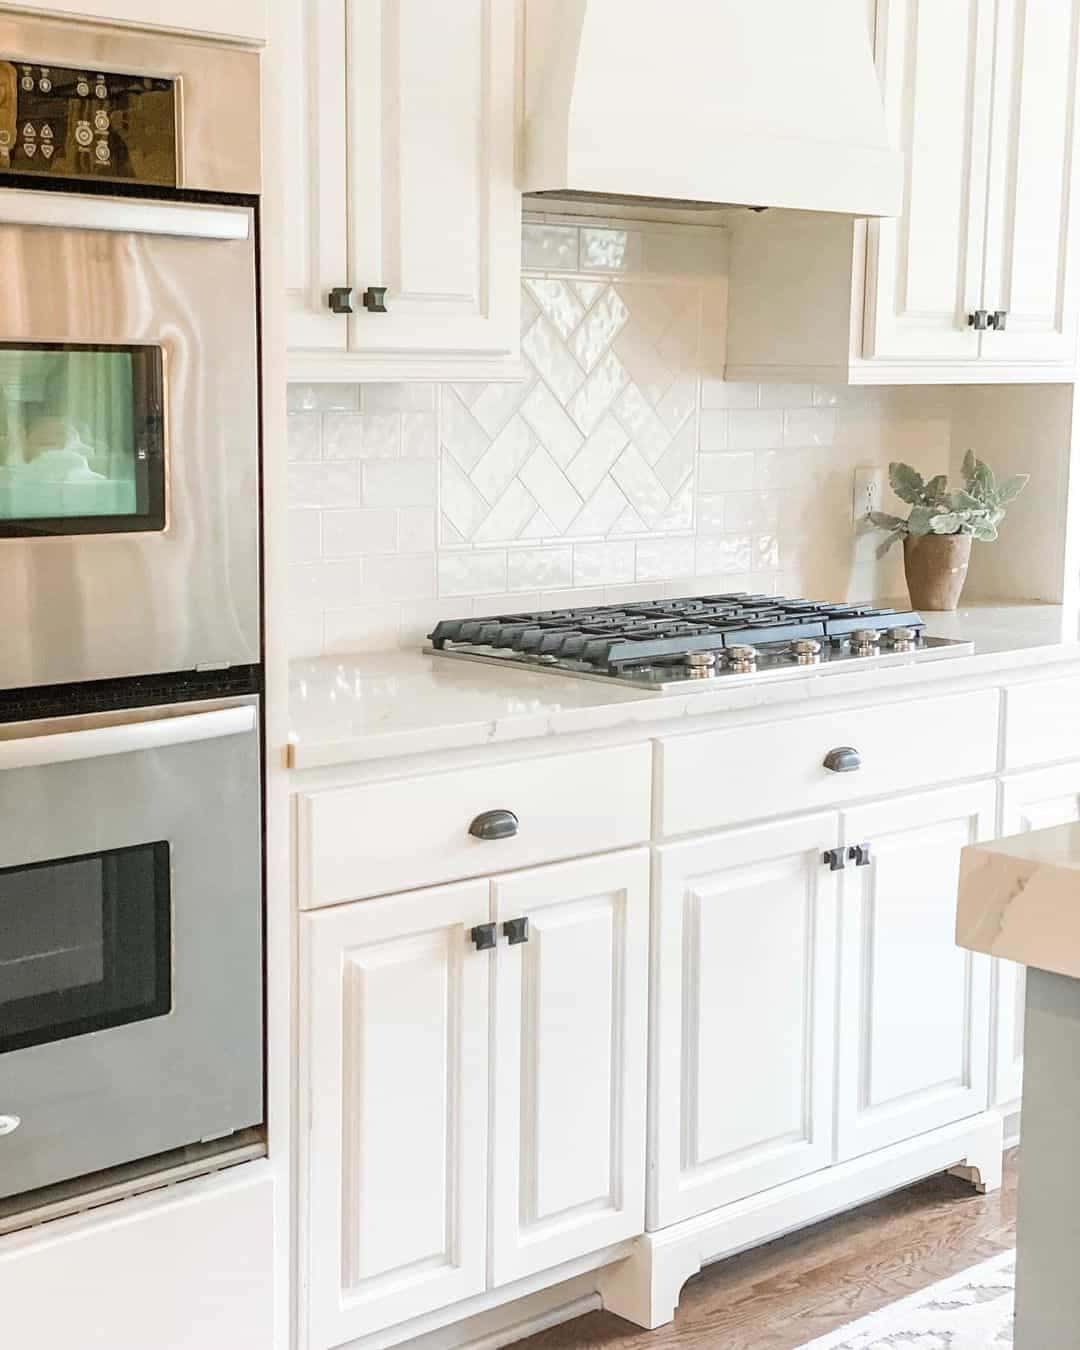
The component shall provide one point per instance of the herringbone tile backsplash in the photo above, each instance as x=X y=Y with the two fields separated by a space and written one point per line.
x=621 y=465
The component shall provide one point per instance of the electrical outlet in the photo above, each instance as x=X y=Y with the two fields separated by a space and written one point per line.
x=868 y=486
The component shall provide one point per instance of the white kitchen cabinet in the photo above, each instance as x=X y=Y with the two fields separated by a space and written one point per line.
x=1030 y=801
x=238 y=20
x=914 y=1007
x=396 y=1097
x=569 y=1062
x=744 y=1014
x=403 y=165
x=976 y=281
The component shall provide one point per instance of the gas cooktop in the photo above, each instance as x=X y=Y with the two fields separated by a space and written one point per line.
x=666 y=644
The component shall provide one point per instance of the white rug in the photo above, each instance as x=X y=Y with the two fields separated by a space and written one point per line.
x=972 y=1311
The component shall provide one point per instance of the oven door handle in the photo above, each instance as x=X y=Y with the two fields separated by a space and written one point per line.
x=64 y=747
x=64 y=211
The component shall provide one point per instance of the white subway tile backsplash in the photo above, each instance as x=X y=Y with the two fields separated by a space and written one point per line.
x=362 y=530
x=362 y=436
x=399 y=482
x=621 y=466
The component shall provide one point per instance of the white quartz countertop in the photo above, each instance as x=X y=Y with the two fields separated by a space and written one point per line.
x=378 y=705
x=1020 y=899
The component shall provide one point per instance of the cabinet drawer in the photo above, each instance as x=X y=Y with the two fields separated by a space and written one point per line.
x=382 y=837
x=767 y=769
x=1042 y=722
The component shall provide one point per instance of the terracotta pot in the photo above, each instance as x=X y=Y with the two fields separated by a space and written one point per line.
x=936 y=567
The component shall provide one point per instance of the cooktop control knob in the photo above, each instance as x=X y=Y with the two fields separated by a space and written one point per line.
x=903 y=639
x=743 y=659
x=865 y=642
x=700 y=665
x=807 y=651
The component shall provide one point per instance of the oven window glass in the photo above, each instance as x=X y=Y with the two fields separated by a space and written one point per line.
x=84 y=944
x=81 y=439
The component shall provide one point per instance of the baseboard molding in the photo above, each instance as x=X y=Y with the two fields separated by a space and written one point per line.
x=645 y=1288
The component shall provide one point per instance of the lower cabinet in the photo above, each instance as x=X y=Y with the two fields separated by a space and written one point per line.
x=467 y=1075
x=1030 y=801
x=744 y=1007
x=810 y=1002
x=914 y=1007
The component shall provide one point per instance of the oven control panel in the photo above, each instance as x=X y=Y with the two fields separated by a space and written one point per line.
x=72 y=123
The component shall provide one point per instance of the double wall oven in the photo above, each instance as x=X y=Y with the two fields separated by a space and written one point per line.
x=131 y=980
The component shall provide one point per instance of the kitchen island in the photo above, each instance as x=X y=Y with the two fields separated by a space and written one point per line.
x=1020 y=900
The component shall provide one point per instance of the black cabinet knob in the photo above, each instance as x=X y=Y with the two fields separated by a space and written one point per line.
x=980 y=320
x=844 y=759
x=997 y=320
x=859 y=854
x=499 y=824
x=374 y=299
x=483 y=936
x=516 y=930
x=340 y=300
x=835 y=859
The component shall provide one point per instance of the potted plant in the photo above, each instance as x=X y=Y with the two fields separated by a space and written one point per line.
x=938 y=531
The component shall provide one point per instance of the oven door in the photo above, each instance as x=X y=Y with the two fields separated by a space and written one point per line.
x=130 y=937
x=128 y=438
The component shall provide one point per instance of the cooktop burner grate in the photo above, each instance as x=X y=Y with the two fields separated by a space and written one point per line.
x=658 y=642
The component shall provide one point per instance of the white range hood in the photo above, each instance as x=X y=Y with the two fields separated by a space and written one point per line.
x=756 y=103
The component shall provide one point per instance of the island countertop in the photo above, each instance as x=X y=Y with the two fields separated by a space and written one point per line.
x=1020 y=899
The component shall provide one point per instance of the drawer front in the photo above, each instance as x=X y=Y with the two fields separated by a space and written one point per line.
x=1042 y=722
x=383 y=837
x=773 y=768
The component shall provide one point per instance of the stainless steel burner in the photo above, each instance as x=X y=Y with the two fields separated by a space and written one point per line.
x=692 y=642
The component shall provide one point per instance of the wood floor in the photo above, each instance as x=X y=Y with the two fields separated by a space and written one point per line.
x=782 y=1295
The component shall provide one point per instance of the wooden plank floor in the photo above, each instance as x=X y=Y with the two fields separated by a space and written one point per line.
x=782 y=1295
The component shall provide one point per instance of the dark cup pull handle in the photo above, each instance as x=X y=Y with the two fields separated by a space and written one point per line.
x=516 y=930
x=501 y=824
x=484 y=936
x=844 y=759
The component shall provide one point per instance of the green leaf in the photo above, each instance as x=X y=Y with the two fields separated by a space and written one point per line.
x=884 y=521
x=905 y=482
x=984 y=533
x=919 y=520
x=1012 y=487
x=887 y=543
x=947 y=523
x=964 y=501
x=967 y=469
x=935 y=489
x=984 y=478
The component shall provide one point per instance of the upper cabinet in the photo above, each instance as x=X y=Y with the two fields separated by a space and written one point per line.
x=976 y=280
x=238 y=20
x=404 y=229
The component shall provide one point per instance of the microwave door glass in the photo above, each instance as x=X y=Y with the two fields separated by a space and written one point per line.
x=85 y=944
x=81 y=439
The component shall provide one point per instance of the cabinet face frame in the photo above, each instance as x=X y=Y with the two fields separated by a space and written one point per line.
x=586 y=958
x=690 y=876
x=864 y=1126
x=356 y=960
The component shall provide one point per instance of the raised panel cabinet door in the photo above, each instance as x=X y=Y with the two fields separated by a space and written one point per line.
x=569 y=1069
x=395 y=1090
x=914 y=1007
x=924 y=269
x=1031 y=801
x=743 y=1015
x=313 y=160
x=434 y=212
x=1031 y=267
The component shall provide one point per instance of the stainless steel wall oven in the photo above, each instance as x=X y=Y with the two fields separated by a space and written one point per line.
x=131 y=972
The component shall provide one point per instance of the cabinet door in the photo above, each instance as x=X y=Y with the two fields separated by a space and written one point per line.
x=925 y=268
x=1031 y=801
x=570 y=1028
x=1031 y=221
x=434 y=212
x=914 y=1007
x=314 y=159
x=744 y=1015
x=395 y=1038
